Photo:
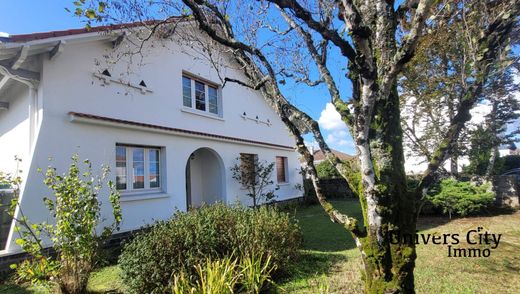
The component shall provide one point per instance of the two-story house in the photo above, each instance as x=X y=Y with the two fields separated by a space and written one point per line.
x=165 y=124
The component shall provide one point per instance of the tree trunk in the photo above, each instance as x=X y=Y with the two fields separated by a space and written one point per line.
x=389 y=261
x=492 y=161
x=454 y=166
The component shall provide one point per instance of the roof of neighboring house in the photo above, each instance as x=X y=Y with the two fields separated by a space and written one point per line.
x=319 y=156
x=85 y=30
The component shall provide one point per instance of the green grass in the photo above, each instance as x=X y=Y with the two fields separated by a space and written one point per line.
x=331 y=258
x=330 y=262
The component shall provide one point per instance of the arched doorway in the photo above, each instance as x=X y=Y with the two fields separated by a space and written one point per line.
x=204 y=178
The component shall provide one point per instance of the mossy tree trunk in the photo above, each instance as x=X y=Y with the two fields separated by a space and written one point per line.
x=389 y=264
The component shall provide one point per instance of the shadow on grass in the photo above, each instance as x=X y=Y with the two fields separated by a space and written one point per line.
x=320 y=233
x=311 y=264
x=430 y=221
x=13 y=289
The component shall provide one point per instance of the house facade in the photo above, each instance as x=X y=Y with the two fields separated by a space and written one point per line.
x=165 y=124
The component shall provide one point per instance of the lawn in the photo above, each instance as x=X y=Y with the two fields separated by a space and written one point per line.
x=331 y=262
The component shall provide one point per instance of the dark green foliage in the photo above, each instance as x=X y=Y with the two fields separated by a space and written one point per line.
x=461 y=198
x=149 y=262
x=506 y=163
x=479 y=153
x=327 y=171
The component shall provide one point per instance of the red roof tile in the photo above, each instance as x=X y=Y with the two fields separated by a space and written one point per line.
x=85 y=30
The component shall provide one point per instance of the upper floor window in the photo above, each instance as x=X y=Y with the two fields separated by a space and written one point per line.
x=137 y=168
x=200 y=95
x=281 y=169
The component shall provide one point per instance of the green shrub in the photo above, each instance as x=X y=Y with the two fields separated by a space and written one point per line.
x=326 y=170
x=151 y=260
x=462 y=198
x=75 y=211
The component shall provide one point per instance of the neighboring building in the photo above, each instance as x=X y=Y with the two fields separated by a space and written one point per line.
x=168 y=128
x=319 y=156
x=415 y=164
x=508 y=149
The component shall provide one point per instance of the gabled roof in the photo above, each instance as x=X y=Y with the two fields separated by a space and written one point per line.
x=319 y=156
x=16 y=49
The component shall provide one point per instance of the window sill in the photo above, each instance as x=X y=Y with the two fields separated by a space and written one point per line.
x=144 y=195
x=284 y=184
x=201 y=113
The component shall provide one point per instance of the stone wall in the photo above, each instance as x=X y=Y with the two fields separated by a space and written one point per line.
x=507 y=191
x=332 y=188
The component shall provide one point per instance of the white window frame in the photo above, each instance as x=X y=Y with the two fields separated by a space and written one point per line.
x=130 y=169
x=207 y=85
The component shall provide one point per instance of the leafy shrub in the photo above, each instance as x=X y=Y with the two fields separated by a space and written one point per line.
x=326 y=170
x=76 y=211
x=255 y=177
x=462 y=198
x=150 y=261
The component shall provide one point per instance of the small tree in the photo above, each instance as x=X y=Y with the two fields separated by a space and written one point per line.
x=256 y=177
x=76 y=209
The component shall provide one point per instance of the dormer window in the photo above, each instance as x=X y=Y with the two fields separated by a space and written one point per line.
x=200 y=95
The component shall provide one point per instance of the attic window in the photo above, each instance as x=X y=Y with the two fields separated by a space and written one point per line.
x=106 y=73
x=201 y=95
x=142 y=83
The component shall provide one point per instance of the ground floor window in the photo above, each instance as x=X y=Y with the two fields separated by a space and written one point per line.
x=137 y=168
x=248 y=163
x=281 y=169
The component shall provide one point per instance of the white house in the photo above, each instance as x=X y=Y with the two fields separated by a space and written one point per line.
x=167 y=127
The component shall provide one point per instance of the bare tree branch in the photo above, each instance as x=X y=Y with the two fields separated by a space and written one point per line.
x=325 y=32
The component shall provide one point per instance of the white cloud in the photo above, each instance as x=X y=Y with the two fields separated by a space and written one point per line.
x=330 y=119
x=337 y=134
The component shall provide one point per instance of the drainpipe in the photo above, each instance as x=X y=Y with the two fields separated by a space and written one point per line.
x=33 y=116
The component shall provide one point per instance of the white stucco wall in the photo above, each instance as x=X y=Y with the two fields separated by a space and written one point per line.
x=14 y=129
x=68 y=85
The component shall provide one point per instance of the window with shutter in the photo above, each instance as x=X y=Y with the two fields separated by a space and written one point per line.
x=281 y=169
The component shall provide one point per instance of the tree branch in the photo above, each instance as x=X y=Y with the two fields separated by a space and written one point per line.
x=331 y=35
x=493 y=37
x=289 y=114
x=407 y=49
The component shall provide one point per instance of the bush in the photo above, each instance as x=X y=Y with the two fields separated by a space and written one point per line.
x=462 y=198
x=75 y=211
x=326 y=170
x=150 y=261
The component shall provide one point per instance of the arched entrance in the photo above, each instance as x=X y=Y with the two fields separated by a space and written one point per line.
x=204 y=178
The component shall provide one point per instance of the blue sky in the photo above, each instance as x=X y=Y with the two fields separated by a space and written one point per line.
x=28 y=16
